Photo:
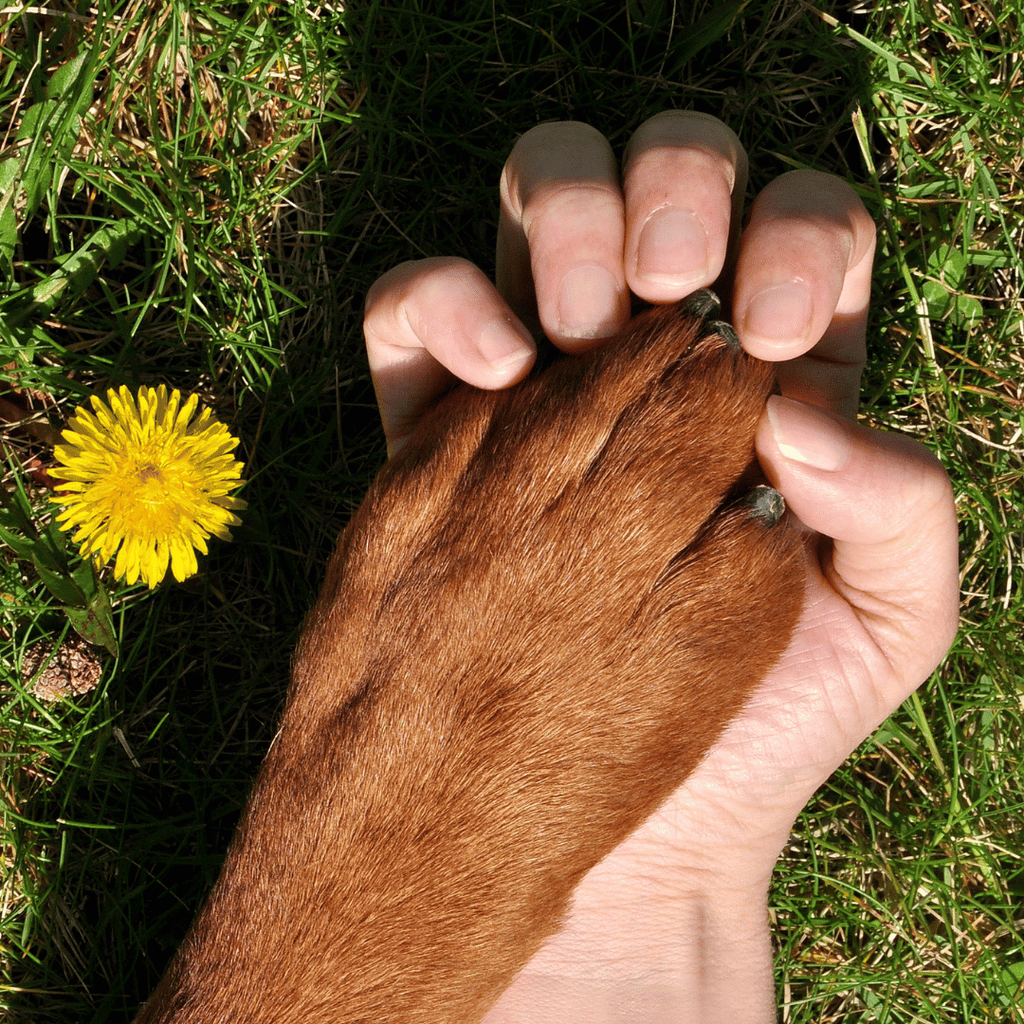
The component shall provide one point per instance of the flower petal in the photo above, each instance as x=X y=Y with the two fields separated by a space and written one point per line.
x=146 y=477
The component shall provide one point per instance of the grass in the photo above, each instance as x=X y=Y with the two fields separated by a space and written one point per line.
x=200 y=194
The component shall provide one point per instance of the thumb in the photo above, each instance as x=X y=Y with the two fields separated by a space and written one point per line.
x=887 y=504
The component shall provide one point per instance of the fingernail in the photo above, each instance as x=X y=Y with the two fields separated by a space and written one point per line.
x=504 y=347
x=673 y=248
x=588 y=302
x=781 y=313
x=808 y=435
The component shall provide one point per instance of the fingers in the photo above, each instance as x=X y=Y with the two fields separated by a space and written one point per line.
x=888 y=505
x=560 y=234
x=572 y=243
x=429 y=322
x=803 y=284
x=684 y=179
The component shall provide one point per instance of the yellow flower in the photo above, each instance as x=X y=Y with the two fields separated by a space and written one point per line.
x=147 y=481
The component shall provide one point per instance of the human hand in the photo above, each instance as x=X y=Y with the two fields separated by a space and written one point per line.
x=672 y=925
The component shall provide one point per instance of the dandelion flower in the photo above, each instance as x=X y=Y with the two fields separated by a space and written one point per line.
x=147 y=479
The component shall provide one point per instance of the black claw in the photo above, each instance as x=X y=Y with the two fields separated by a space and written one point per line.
x=765 y=503
x=725 y=331
x=704 y=303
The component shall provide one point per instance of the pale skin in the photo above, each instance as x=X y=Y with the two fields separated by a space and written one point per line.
x=673 y=925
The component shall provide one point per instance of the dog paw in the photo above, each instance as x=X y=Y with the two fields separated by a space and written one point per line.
x=574 y=578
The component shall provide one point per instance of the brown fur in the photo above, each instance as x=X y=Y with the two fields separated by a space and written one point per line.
x=547 y=608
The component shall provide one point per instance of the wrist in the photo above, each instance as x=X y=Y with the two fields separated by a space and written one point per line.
x=659 y=955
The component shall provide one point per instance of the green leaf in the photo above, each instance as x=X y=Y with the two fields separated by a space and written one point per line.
x=57 y=582
x=83 y=597
x=968 y=310
x=1012 y=978
x=31 y=167
x=78 y=270
x=94 y=622
x=937 y=299
x=947 y=263
x=48 y=132
x=15 y=510
x=21 y=545
x=8 y=231
x=944 y=297
x=63 y=81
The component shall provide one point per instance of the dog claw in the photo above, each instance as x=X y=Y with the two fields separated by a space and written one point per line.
x=765 y=503
x=725 y=331
x=703 y=304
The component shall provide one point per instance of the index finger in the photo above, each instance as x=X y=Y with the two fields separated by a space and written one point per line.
x=559 y=255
